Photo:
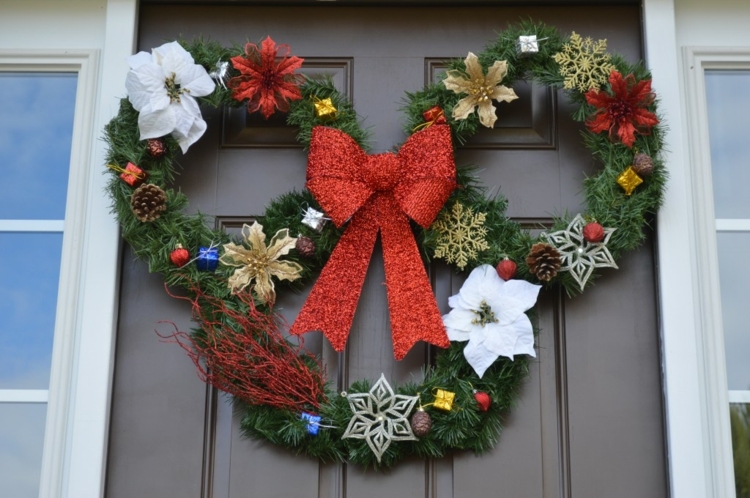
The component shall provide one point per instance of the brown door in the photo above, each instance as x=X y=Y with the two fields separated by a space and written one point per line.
x=589 y=421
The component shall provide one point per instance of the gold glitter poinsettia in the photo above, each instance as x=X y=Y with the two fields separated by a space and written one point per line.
x=481 y=89
x=259 y=262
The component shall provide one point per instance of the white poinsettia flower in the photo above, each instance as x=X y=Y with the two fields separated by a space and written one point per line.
x=162 y=87
x=490 y=313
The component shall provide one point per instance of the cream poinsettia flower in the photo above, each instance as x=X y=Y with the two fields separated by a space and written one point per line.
x=259 y=262
x=481 y=89
x=490 y=313
x=162 y=87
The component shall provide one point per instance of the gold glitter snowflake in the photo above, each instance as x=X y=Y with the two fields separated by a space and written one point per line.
x=461 y=235
x=585 y=64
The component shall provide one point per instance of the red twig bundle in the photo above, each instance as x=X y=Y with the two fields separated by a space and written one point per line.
x=244 y=353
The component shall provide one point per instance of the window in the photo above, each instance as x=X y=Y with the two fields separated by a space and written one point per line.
x=35 y=149
x=728 y=105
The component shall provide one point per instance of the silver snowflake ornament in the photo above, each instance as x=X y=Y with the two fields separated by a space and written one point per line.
x=580 y=256
x=380 y=417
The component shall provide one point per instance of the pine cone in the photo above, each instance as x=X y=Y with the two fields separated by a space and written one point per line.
x=643 y=164
x=305 y=246
x=421 y=423
x=156 y=147
x=543 y=261
x=148 y=202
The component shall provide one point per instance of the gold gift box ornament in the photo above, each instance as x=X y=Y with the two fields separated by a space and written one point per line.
x=324 y=109
x=444 y=400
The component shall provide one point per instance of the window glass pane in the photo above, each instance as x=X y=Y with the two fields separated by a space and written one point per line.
x=21 y=442
x=36 y=128
x=28 y=296
x=728 y=104
x=734 y=274
x=740 y=419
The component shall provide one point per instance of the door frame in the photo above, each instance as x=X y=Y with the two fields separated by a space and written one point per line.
x=689 y=452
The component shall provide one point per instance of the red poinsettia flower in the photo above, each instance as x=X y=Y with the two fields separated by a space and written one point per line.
x=624 y=113
x=266 y=84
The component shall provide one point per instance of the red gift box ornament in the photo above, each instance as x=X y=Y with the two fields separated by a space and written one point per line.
x=379 y=193
x=130 y=174
x=433 y=115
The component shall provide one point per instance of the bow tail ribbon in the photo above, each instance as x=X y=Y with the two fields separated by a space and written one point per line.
x=333 y=300
x=331 y=305
x=414 y=312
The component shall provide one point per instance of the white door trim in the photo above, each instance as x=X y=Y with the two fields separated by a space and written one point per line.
x=692 y=466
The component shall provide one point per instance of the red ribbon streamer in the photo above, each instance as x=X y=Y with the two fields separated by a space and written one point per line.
x=379 y=193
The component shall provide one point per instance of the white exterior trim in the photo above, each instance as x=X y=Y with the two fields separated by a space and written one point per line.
x=85 y=458
x=24 y=395
x=713 y=363
x=32 y=225
x=85 y=64
x=725 y=225
x=75 y=447
x=691 y=467
x=739 y=396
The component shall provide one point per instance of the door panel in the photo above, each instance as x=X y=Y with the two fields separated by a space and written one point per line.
x=589 y=421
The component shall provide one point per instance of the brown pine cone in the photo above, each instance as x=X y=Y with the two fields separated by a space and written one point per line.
x=421 y=423
x=305 y=246
x=156 y=147
x=543 y=261
x=643 y=164
x=148 y=202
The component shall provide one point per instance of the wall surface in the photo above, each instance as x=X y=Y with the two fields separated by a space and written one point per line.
x=45 y=24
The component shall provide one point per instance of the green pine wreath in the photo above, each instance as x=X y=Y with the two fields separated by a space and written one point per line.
x=232 y=326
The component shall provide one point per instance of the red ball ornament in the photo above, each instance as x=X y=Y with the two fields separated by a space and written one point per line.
x=179 y=256
x=593 y=232
x=506 y=269
x=483 y=400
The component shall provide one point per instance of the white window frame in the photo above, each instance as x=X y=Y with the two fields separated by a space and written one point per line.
x=77 y=428
x=83 y=63
x=711 y=352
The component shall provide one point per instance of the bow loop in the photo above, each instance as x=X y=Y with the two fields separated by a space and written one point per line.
x=334 y=173
x=428 y=174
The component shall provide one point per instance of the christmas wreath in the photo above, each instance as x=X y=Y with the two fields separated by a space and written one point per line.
x=420 y=203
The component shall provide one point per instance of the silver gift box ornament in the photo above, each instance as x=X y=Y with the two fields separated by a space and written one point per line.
x=314 y=219
x=527 y=45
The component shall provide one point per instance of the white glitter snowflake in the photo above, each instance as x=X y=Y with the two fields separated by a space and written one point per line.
x=380 y=417
x=579 y=256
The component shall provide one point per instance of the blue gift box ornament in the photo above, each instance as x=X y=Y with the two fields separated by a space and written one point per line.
x=313 y=423
x=208 y=258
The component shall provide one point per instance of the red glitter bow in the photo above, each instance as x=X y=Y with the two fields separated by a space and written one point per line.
x=379 y=193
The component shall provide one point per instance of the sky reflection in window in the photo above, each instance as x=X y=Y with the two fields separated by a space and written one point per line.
x=728 y=104
x=35 y=140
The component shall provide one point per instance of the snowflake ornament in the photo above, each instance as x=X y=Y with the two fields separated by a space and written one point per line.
x=579 y=256
x=584 y=63
x=380 y=416
x=461 y=235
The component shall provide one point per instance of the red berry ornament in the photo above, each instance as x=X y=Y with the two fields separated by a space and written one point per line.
x=593 y=232
x=483 y=400
x=506 y=269
x=180 y=256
